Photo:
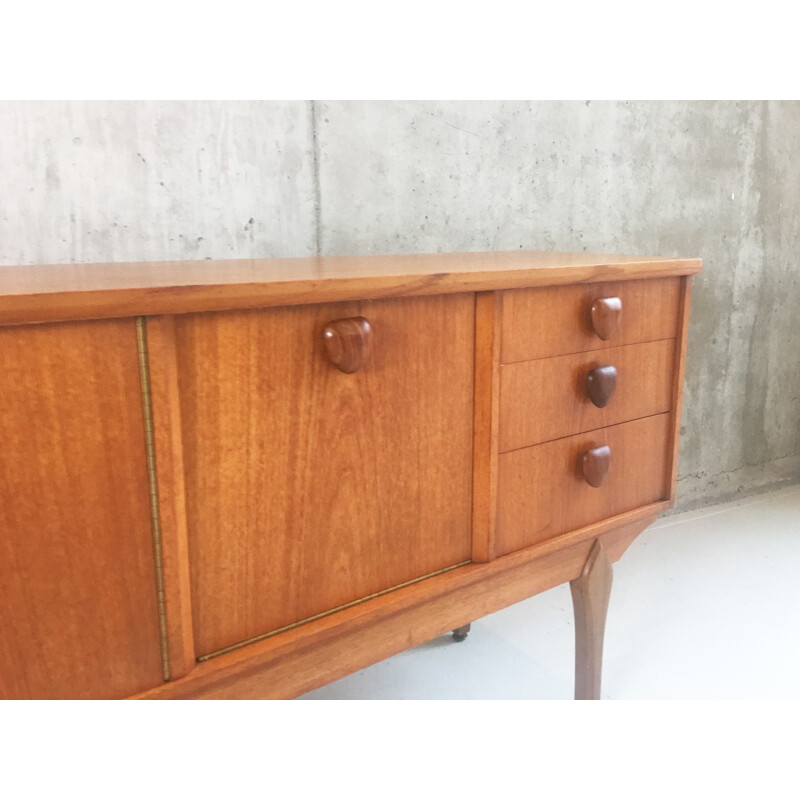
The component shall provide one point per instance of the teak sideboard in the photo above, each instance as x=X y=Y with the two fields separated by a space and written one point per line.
x=246 y=479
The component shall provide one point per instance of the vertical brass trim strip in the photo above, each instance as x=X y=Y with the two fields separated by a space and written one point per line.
x=155 y=516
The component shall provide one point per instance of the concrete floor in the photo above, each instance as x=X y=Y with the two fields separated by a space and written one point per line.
x=705 y=605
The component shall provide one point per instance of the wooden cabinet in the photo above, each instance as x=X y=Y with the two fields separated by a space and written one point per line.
x=245 y=479
x=308 y=488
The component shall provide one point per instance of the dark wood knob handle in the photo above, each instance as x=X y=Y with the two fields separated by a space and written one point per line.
x=600 y=385
x=606 y=312
x=347 y=342
x=595 y=465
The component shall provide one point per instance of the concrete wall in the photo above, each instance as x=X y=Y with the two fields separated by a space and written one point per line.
x=122 y=181
x=96 y=181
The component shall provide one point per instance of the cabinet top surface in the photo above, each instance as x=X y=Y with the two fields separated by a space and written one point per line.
x=85 y=291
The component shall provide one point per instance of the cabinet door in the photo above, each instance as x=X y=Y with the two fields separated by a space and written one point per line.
x=78 y=609
x=308 y=488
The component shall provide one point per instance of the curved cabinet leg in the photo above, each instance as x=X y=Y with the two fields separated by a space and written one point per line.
x=459 y=634
x=590 y=595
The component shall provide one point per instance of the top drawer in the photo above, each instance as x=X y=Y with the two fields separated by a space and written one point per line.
x=558 y=320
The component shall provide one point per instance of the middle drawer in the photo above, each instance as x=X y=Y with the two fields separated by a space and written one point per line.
x=552 y=397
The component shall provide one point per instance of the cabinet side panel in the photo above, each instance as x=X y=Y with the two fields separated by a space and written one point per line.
x=308 y=488
x=680 y=368
x=78 y=610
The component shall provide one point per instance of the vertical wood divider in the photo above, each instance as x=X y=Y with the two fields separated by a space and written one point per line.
x=677 y=389
x=163 y=366
x=488 y=316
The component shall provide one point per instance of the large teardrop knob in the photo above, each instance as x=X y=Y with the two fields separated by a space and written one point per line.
x=595 y=465
x=606 y=313
x=600 y=385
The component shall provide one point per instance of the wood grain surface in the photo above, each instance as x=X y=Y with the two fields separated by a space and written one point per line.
x=165 y=402
x=488 y=318
x=78 y=615
x=538 y=323
x=312 y=655
x=547 y=398
x=89 y=291
x=542 y=491
x=308 y=488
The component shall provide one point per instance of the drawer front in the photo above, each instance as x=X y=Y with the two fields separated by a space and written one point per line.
x=558 y=320
x=543 y=491
x=309 y=487
x=551 y=397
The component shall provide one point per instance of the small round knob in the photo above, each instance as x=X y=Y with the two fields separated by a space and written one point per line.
x=347 y=343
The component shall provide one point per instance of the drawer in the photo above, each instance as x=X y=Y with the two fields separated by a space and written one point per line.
x=542 y=490
x=309 y=487
x=558 y=320
x=549 y=398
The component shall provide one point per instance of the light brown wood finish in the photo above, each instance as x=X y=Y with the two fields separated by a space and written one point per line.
x=165 y=402
x=590 y=595
x=298 y=506
x=308 y=488
x=488 y=317
x=547 y=398
x=538 y=323
x=91 y=291
x=679 y=369
x=78 y=614
x=314 y=654
x=542 y=491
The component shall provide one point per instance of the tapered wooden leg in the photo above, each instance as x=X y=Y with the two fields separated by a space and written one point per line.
x=590 y=595
x=459 y=634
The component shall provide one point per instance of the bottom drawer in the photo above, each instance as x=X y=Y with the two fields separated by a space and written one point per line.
x=543 y=492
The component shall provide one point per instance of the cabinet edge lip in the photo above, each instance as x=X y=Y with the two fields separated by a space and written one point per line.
x=21 y=307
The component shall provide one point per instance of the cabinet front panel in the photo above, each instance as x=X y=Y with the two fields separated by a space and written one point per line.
x=545 y=490
x=78 y=613
x=538 y=323
x=308 y=487
x=552 y=397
